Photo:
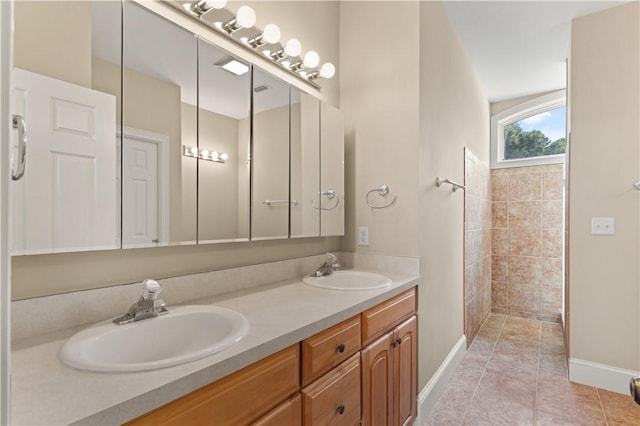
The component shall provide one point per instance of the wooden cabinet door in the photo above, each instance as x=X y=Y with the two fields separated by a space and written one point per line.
x=405 y=365
x=377 y=382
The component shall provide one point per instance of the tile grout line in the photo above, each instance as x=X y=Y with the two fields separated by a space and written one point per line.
x=535 y=400
x=604 y=414
x=475 y=390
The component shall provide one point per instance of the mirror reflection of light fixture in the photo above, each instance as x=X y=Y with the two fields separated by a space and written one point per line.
x=233 y=66
x=270 y=34
x=204 y=154
x=245 y=18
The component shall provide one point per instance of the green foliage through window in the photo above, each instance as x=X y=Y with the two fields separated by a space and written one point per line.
x=519 y=143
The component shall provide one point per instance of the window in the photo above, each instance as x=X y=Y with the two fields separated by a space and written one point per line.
x=531 y=133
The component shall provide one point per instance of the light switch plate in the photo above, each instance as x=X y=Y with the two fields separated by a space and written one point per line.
x=363 y=236
x=602 y=225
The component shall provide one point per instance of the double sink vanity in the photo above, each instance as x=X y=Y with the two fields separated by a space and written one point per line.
x=286 y=352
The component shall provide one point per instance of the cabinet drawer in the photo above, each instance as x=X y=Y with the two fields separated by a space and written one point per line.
x=288 y=413
x=334 y=399
x=237 y=399
x=325 y=350
x=381 y=318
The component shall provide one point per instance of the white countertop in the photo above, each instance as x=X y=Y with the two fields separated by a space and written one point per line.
x=46 y=392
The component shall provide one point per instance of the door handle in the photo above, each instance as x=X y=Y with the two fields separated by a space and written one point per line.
x=17 y=122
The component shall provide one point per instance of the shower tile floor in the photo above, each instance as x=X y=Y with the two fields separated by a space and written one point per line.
x=515 y=373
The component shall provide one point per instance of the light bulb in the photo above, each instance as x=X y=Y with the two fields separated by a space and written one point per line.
x=271 y=33
x=205 y=153
x=224 y=156
x=293 y=47
x=246 y=17
x=215 y=4
x=311 y=59
x=327 y=70
x=214 y=155
x=194 y=151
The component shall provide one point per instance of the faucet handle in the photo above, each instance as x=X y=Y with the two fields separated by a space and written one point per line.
x=151 y=289
x=331 y=258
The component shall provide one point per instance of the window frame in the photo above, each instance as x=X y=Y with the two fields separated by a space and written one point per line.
x=519 y=112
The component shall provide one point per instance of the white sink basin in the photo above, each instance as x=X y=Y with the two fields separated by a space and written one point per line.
x=349 y=280
x=184 y=334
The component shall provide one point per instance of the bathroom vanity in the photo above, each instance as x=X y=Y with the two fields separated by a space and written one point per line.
x=377 y=348
x=311 y=356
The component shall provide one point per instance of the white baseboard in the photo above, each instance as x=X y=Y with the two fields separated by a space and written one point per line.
x=434 y=389
x=601 y=376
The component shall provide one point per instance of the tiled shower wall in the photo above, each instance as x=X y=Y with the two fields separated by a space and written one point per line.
x=477 y=277
x=526 y=243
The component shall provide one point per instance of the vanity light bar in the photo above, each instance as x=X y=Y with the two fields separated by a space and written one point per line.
x=204 y=154
x=287 y=56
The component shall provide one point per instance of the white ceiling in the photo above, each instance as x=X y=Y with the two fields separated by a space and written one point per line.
x=518 y=48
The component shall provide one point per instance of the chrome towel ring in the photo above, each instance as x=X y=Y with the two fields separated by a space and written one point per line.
x=383 y=191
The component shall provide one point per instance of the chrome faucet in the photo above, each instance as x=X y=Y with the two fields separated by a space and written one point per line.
x=148 y=306
x=328 y=266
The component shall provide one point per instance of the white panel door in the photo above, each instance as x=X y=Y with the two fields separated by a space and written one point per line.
x=140 y=214
x=66 y=200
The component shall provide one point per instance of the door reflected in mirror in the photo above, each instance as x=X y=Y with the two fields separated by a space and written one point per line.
x=159 y=89
x=305 y=164
x=224 y=146
x=67 y=199
x=270 y=158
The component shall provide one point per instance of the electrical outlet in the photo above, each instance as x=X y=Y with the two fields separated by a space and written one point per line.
x=363 y=236
x=602 y=225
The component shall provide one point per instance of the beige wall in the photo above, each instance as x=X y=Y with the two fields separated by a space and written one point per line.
x=604 y=162
x=189 y=175
x=404 y=125
x=53 y=39
x=270 y=173
x=48 y=274
x=454 y=113
x=379 y=99
x=217 y=182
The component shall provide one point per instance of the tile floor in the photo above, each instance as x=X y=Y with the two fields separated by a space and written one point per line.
x=515 y=373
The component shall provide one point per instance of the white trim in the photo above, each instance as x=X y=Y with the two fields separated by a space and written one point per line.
x=516 y=113
x=164 y=172
x=6 y=41
x=600 y=376
x=436 y=386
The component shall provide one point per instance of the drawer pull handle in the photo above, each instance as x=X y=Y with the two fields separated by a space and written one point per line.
x=341 y=347
x=396 y=343
x=340 y=409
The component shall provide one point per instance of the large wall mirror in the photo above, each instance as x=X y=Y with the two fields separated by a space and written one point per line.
x=159 y=102
x=305 y=164
x=331 y=170
x=224 y=136
x=66 y=79
x=139 y=137
x=270 y=158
